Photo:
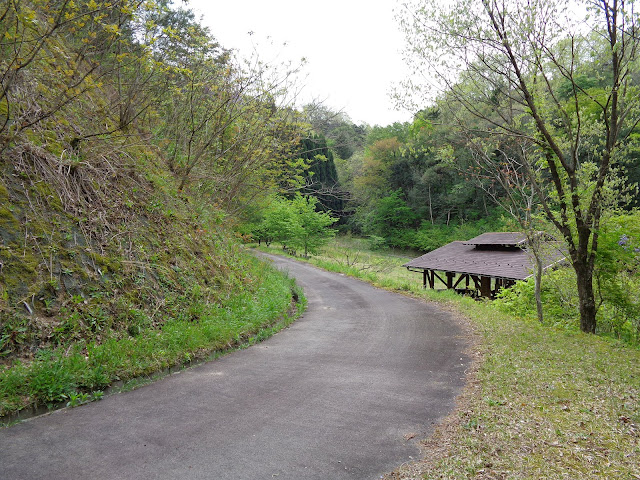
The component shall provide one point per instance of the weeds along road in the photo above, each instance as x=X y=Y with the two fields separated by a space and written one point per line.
x=345 y=392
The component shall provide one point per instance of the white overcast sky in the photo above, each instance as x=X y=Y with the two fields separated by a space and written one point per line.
x=353 y=47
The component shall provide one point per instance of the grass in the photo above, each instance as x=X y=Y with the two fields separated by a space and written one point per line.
x=72 y=373
x=540 y=402
x=544 y=403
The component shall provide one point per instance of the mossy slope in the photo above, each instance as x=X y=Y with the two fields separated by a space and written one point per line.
x=100 y=257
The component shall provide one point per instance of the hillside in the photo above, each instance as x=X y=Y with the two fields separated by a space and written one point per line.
x=115 y=260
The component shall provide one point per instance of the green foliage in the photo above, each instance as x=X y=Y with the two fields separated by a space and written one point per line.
x=79 y=372
x=559 y=299
x=220 y=141
x=393 y=221
x=376 y=243
x=276 y=222
x=313 y=231
x=425 y=165
x=538 y=137
x=618 y=275
x=296 y=224
x=391 y=215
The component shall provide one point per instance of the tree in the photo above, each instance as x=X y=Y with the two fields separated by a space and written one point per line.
x=314 y=230
x=321 y=179
x=229 y=127
x=55 y=53
x=280 y=222
x=297 y=224
x=518 y=67
x=344 y=137
x=390 y=218
x=510 y=187
x=617 y=269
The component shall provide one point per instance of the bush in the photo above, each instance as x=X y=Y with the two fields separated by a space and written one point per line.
x=616 y=275
x=376 y=243
x=559 y=299
x=617 y=316
x=429 y=237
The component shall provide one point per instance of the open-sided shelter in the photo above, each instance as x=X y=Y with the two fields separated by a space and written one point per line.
x=483 y=264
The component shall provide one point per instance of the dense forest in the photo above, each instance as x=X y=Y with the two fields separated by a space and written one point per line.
x=137 y=153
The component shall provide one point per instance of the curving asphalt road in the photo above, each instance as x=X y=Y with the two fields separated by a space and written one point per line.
x=345 y=392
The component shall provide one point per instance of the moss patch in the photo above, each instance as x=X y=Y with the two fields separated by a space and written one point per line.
x=4 y=193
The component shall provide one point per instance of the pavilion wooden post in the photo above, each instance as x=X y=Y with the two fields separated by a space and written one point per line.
x=432 y=280
x=450 y=276
x=428 y=278
x=485 y=287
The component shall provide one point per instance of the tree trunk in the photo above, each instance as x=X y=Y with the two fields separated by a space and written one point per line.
x=538 y=288
x=430 y=206
x=584 y=278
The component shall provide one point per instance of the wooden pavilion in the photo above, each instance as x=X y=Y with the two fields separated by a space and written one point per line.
x=483 y=264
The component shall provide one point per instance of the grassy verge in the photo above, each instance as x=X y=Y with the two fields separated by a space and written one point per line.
x=78 y=372
x=541 y=402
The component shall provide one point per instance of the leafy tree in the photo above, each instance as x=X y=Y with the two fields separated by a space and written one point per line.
x=397 y=130
x=373 y=180
x=313 y=231
x=229 y=129
x=500 y=63
x=321 y=177
x=390 y=219
x=344 y=137
x=280 y=223
x=296 y=224
x=616 y=272
x=68 y=50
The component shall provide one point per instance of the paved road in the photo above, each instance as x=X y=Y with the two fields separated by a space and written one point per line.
x=334 y=396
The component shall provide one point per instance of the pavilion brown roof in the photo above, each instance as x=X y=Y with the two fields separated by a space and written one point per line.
x=464 y=257
x=511 y=239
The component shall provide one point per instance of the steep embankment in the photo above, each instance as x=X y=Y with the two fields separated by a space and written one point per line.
x=104 y=276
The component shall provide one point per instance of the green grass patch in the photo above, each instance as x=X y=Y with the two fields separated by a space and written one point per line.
x=549 y=403
x=541 y=402
x=71 y=373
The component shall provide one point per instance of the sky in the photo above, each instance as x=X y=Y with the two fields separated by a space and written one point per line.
x=352 y=48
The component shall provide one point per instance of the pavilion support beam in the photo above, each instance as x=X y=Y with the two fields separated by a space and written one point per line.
x=428 y=278
x=450 y=276
x=435 y=275
x=485 y=287
x=462 y=277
